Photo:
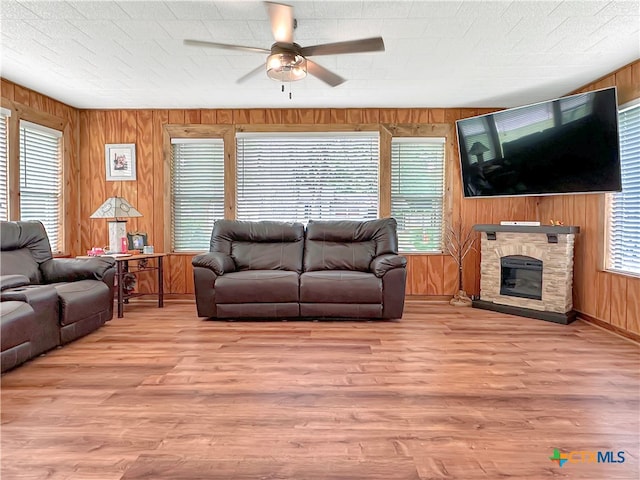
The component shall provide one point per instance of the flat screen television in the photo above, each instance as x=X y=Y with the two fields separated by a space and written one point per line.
x=561 y=146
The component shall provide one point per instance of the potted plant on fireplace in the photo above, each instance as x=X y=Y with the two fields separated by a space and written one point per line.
x=458 y=242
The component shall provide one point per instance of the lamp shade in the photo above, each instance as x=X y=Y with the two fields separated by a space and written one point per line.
x=286 y=67
x=116 y=207
x=478 y=148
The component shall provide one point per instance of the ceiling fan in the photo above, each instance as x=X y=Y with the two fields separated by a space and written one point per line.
x=287 y=61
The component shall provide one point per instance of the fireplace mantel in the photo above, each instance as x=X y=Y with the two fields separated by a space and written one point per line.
x=552 y=229
x=552 y=246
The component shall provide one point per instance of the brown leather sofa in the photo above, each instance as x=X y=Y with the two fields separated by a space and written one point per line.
x=333 y=269
x=46 y=301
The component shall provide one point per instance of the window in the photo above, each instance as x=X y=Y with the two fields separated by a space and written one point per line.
x=624 y=213
x=197 y=191
x=417 y=192
x=4 y=157
x=41 y=178
x=303 y=176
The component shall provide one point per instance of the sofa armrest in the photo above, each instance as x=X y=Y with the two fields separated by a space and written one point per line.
x=383 y=263
x=219 y=263
x=72 y=269
x=13 y=281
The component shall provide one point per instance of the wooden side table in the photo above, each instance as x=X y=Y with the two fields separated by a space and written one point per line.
x=141 y=265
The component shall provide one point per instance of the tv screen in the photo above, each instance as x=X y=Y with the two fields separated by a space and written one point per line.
x=566 y=145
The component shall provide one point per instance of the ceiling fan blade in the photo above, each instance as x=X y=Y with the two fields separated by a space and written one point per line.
x=226 y=46
x=375 y=44
x=252 y=73
x=281 y=21
x=323 y=74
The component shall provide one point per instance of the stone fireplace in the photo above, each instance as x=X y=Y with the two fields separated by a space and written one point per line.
x=527 y=270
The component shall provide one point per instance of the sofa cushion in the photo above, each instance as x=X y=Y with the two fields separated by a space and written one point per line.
x=20 y=262
x=263 y=245
x=82 y=299
x=340 y=287
x=267 y=256
x=348 y=245
x=257 y=286
x=29 y=234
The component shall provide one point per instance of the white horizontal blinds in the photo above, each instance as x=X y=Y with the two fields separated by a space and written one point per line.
x=521 y=122
x=307 y=176
x=476 y=133
x=417 y=192
x=41 y=178
x=4 y=157
x=624 y=224
x=197 y=191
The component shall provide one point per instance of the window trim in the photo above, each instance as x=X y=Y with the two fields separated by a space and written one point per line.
x=605 y=208
x=20 y=112
x=437 y=130
x=426 y=140
x=227 y=134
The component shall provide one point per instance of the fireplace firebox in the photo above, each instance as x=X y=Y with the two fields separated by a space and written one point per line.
x=521 y=276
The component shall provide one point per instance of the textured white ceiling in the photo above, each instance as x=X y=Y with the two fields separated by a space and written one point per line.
x=451 y=53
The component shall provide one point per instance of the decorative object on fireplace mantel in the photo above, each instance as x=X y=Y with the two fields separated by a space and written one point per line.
x=458 y=242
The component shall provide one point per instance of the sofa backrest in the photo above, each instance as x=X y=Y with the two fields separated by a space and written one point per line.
x=24 y=246
x=263 y=245
x=348 y=245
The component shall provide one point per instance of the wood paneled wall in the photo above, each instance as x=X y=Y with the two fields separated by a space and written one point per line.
x=611 y=298
x=608 y=297
x=428 y=275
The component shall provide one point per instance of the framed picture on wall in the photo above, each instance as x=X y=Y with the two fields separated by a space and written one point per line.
x=120 y=161
x=136 y=240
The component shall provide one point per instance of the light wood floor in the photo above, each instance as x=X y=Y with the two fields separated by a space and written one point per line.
x=445 y=393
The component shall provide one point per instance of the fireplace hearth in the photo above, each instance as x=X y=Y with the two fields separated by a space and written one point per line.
x=527 y=271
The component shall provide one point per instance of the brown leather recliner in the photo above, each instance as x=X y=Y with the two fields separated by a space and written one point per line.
x=69 y=297
x=334 y=269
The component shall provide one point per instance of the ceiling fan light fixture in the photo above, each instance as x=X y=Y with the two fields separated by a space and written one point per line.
x=286 y=67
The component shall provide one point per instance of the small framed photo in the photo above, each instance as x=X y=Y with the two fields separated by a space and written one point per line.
x=136 y=240
x=120 y=161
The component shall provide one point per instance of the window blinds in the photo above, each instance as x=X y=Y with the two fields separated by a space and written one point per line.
x=4 y=157
x=624 y=215
x=197 y=191
x=417 y=192
x=303 y=176
x=41 y=178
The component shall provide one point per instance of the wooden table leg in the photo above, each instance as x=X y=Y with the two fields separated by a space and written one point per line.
x=120 y=277
x=160 y=284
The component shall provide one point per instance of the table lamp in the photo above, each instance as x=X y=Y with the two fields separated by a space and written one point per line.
x=478 y=150
x=115 y=208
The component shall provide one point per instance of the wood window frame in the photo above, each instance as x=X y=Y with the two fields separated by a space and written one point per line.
x=21 y=112
x=386 y=131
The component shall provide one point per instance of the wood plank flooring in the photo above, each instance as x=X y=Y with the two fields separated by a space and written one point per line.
x=445 y=393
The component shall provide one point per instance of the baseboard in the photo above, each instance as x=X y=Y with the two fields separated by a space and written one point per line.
x=610 y=328
x=427 y=298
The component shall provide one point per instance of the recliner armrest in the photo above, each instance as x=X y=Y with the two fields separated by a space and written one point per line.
x=13 y=281
x=383 y=263
x=73 y=269
x=218 y=262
